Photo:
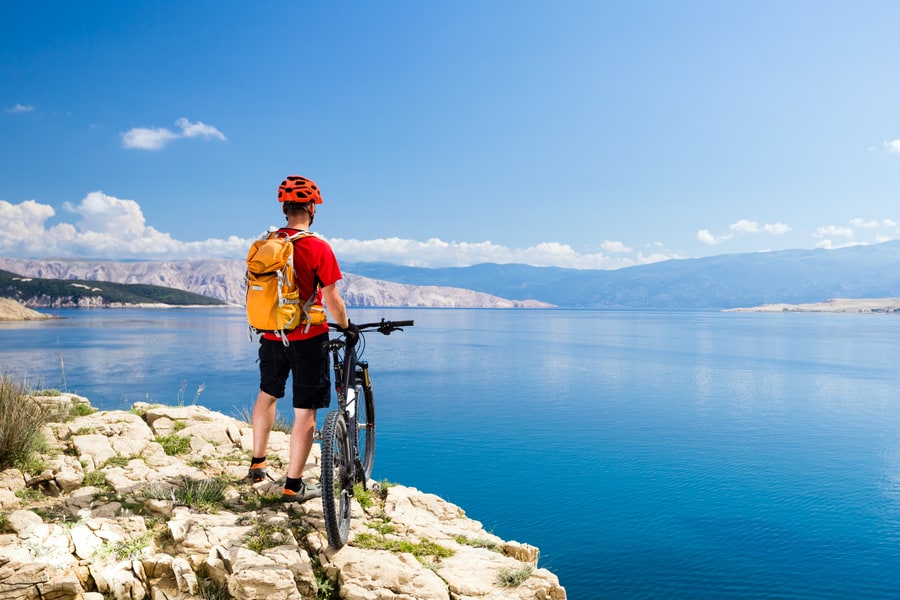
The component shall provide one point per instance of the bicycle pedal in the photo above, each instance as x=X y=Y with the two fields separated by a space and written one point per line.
x=317 y=435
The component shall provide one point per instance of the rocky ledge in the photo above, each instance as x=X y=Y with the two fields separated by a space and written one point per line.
x=10 y=310
x=150 y=504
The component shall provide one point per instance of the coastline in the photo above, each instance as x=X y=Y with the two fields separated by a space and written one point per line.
x=114 y=513
x=834 y=305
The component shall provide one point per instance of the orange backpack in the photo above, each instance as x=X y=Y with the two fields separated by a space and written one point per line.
x=273 y=300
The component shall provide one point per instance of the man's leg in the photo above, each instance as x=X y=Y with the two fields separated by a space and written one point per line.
x=263 y=419
x=301 y=440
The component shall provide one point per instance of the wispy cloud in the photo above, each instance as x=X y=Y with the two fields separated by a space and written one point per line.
x=892 y=146
x=142 y=138
x=744 y=226
x=841 y=236
x=19 y=108
x=103 y=226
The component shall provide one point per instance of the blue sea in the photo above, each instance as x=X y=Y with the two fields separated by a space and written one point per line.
x=647 y=454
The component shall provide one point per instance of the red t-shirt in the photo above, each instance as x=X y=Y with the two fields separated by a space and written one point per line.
x=315 y=267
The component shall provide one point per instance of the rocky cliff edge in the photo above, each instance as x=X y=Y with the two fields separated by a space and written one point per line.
x=150 y=504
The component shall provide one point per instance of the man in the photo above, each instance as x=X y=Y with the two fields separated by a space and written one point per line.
x=305 y=357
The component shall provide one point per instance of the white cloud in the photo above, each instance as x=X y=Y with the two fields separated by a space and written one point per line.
x=147 y=139
x=154 y=139
x=834 y=230
x=705 y=237
x=107 y=227
x=776 y=228
x=114 y=228
x=22 y=221
x=19 y=108
x=832 y=245
x=744 y=226
x=863 y=224
x=615 y=247
x=893 y=146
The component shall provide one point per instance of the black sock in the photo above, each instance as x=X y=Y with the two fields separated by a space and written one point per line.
x=293 y=484
x=256 y=460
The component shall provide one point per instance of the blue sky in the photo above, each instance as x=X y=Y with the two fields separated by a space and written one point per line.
x=581 y=134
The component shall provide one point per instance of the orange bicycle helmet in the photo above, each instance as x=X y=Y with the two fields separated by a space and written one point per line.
x=299 y=189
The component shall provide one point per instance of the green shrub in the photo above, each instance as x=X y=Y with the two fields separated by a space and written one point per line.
x=21 y=420
x=424 y=547
x=512 y=577
x=95 y=479
x=131 y=549
x=477 y=542
x=205 y=494
x=174 y=444
x=265 y=535
x=209 y=590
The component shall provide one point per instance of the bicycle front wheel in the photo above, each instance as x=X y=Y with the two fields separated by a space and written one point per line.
x=365 y=429
x=337 y=479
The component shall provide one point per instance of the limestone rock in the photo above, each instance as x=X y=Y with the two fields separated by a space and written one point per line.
x=91 y=545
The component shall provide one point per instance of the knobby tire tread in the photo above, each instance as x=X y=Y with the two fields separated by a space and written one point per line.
x=335 y=466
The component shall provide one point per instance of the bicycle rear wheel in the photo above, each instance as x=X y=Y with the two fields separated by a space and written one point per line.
x=337 y=479
x=365 y=429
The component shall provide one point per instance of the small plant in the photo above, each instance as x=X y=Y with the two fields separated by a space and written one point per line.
x=33 y=464
x=21 y=420
x=206 y=494
x=95 y=479
x=183 y=387
x=4 y=521
x=509 y=577
x=366 y=498
x=265 y=535
x=178 y=425
x=281 y=424
x=29 y=494
x=209 y=590
x=324 y=586
x=80 y=409
x=131 y=549
x=383 y=527
x=477 y=542
x=117 y=461
x=50 y=392
x=424 y=547
x=174 y=444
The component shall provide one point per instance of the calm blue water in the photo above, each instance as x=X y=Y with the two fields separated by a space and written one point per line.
x=648 y=454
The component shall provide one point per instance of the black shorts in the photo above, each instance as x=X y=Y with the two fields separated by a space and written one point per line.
x=307 y=363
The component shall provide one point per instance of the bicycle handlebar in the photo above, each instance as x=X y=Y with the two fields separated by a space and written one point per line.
x=383 y=327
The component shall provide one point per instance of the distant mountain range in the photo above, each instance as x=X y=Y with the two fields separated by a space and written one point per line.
x=61 y=293
x=718 y=282
x=224 y=280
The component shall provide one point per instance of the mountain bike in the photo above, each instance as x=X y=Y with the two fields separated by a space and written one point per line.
x=348 y=434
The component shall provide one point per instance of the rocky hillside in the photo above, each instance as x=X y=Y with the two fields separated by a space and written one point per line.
x=150 y=504
x=10 y=310
x=224 y=280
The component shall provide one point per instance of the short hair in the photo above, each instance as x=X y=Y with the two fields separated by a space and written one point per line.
x=294 y=208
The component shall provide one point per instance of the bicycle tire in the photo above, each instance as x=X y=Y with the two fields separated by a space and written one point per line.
x=337 y=479
x=365 y=429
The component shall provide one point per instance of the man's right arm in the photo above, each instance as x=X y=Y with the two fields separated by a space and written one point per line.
x=335 y=305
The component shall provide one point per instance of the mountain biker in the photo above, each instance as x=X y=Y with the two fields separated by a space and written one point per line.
x=305 y=358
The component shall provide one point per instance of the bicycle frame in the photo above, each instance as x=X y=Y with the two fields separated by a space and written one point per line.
x=344 y=463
